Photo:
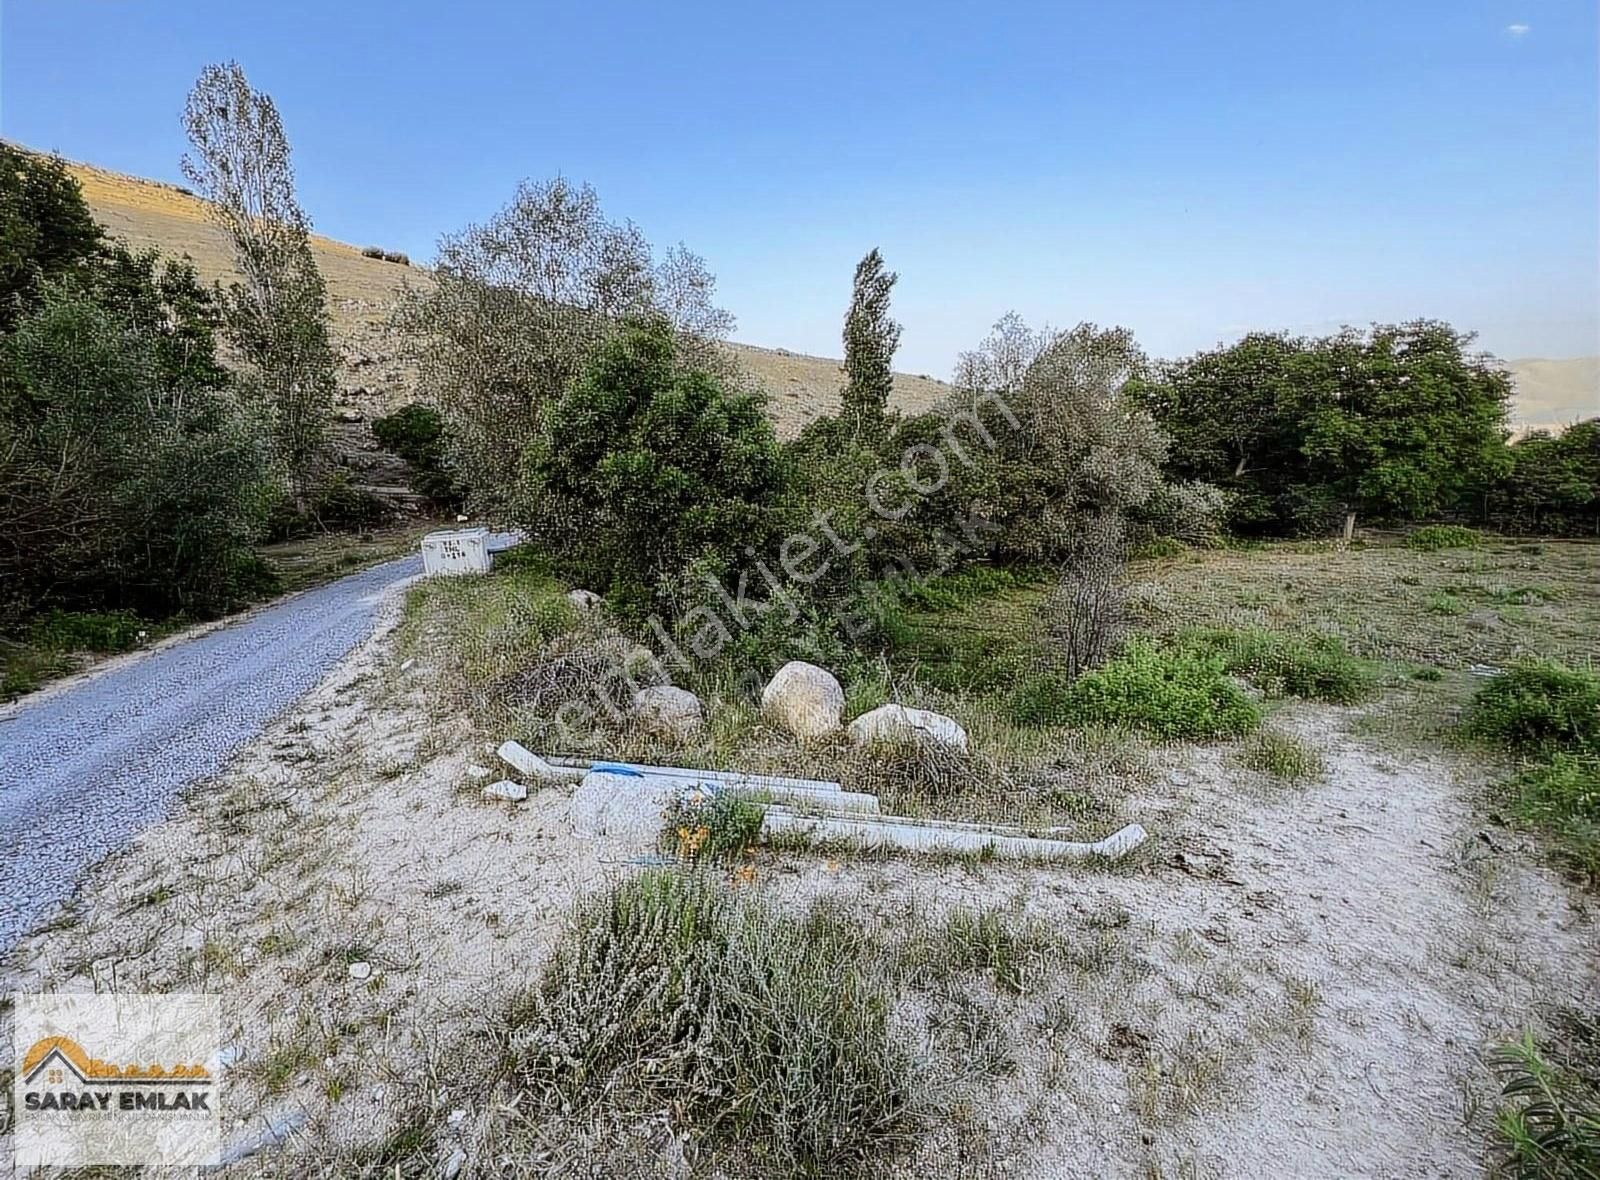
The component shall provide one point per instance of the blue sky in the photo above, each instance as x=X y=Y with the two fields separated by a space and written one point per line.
x=1189 y=170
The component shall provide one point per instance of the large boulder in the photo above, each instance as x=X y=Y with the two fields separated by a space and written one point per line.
x=585 y=600
x=896 y=723
x=804 y=699
x=671 y=712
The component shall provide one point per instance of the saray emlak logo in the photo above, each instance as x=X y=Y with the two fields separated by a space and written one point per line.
x=115 y=1078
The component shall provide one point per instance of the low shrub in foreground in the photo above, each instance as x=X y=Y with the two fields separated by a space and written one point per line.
x=1169 y=692
x=715 y=827
x=1314 y=667
x=765 y=1032
x=1433 y=537
x=1539 y=707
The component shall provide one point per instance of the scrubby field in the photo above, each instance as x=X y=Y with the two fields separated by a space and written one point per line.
x=1347 y=902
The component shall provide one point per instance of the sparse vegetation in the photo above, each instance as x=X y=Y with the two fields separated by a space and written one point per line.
x=1549 y=1118
x=1315 y=667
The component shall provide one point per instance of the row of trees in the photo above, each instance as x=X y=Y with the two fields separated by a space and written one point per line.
x=1398 y=423
x=136 y=470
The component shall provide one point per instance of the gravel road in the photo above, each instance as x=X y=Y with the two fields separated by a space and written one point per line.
x=83 y=769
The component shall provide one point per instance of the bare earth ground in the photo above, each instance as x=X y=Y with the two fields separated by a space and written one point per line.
x=1289 y=981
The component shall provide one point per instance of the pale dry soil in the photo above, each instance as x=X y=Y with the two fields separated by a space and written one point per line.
x=1288 y=981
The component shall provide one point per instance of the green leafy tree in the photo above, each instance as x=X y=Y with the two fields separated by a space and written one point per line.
x=870 y=340
x=1398 y=422
x=1552 y=484
x=1405 y=422
x=517 y=307
x=277 y=315
x=648 y=464
x=46 y=230
x=129 y=475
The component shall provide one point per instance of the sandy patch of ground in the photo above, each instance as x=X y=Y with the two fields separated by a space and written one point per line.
x=1292 y=981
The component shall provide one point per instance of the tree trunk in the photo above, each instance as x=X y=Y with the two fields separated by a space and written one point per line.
x=1349 y=526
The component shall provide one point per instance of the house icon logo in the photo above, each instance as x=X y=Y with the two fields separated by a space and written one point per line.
x=55 y=1061
x=114 y=1079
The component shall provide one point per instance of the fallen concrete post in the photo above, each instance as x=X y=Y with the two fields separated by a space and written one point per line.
x=743 y=778
x=524 y=761
x=913 y=835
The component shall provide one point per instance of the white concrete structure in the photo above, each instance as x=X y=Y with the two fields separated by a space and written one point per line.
x=914 y=835
x=455 y=552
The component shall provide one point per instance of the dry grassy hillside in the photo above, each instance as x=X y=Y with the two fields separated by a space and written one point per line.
x=1550 y=393
x=361 y=290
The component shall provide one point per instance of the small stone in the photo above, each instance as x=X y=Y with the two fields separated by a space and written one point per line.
x=360 y=970
x=506 y=789
x=407 y=665
x=478 y=772
x=585 y=600
x=453 y=1165
x=663 y=709
x=456 y=1116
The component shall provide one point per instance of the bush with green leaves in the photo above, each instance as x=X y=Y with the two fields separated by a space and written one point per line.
x=416 y=432
x=769 y=1034
x=1312 y=667
x=1561 y=796
x=1168 y=692
x=1552 y=485
x=647 y=464
x=717 y=826
x=130 y=476
x=1434 y=537
x=1397 y=422
x=1540 y=707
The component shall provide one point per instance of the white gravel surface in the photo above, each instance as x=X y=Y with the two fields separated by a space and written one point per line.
x=84 y=767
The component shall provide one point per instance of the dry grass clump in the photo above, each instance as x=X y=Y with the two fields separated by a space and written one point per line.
x=1283 y=757
x=904 y=773
x=770 y=1035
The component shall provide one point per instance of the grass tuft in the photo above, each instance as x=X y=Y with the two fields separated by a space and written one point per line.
x=768 y=1033
x=1313 y=668
x=1284 y=757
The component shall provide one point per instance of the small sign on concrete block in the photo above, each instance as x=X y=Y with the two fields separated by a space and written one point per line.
x=455 y=552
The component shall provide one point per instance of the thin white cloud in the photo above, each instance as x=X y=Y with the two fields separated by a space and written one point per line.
x=1519 y=30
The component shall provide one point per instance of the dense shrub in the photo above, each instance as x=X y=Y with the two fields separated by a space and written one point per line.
x=1434 y=537
x=1552 y=485
x=767 y=1032
x=1540 y=707
x=416 y=432
x=1397 y=423
x=1314 y=667
x=647 y=464
x=372 y=252
x=130 y=477
x=1167 y=692
x=46 y=231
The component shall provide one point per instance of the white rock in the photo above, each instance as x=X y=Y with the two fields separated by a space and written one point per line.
x=453 y=1165
x=361 y=970
x=667 y=710
x=805 y=699
x=476 y=772
x=506 y=789
x=627 y=807
x=585 y=600
x=896 y=723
